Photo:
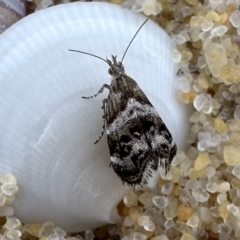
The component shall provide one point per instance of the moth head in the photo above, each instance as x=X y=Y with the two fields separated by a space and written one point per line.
x=116 y=68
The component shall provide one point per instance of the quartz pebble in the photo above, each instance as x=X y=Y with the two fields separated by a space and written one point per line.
x=230 y=74
x=184 y=212
x=194 y=220
x=216 y=58
x=223 y=187
x=200 y=195
x=160 y=237
x=160 y=201
x=201 y=161
x=139 y=236
x=231 y=155
x=236 y=171
x=131 y=199
x=235 y=18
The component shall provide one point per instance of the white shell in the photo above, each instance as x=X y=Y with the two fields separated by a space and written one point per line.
x=48 y=130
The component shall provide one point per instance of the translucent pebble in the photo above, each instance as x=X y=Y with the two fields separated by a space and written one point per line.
x=236 y=171
x=169 y=224
x=167 y=188
x=160 y=237
x=184 y=212
x=150 y=226
x=176 y=56
x=231 y=155
x=127 y=222
x=131 y=199
x=194 y=174
x=133 y=214
x=216 y=58
x=230 y=74
x=180 y=157
x=178 y=39
x=210 y=172
x=113 y=230
x=142 y=220
x=183 y=84
x=201 y=161
x=235 y=18
x=9 y=190
x=219 y=31
x=195 y=117
x=3 y=200
x=196 y=21
x=53 y=236
x=160 y=201
x=232 y=208
x=223 y=186
x=238 y=192
x=193 y=202
x=14 y=234
x=184 y=195
x=228 y=95
x=202 y=102
x=200 y=195
x=139 y=236
x=186 y=11
x=205 y=215
x=145 y=198
x=193 y=221
x=8 y=179
x=234 y=88
x=171 y=210
x=187 y=236
x=214 y=211
x=221 y=198
x=182 y=227
x=136 y=6
x=12 y=223
x=192 y=184
x=89 y=235
x=6 y=211
x=237 y=112
x=46 y=229
x=219 y=125
x=207 y=25
x=235 y=182
x=175 y=172
x=152 y=8
x=33 y=229
x=223 y=211
x=59 y=232
x=211 y=187
x=201 y=62
x=222 y=228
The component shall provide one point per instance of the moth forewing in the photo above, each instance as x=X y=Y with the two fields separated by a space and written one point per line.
x=138 y=140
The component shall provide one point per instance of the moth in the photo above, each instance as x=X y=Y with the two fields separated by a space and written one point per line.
x=138 y=140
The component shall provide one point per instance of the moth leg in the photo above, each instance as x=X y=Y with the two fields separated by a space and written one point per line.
x=100 y=91
x=104 y=119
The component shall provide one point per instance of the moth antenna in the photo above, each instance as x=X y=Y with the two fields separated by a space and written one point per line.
x=133 y=39
x=71 y=50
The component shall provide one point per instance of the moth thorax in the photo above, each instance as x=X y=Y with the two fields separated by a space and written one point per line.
x=116 y=68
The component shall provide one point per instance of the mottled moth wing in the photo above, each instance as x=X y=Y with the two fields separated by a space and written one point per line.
x=137 y=137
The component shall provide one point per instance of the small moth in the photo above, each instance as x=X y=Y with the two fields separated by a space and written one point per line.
x=138 y=140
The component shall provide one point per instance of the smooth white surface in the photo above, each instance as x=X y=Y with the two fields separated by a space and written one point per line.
x=48 y=130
